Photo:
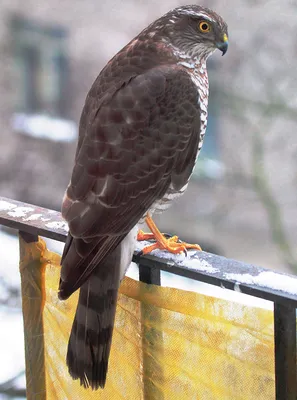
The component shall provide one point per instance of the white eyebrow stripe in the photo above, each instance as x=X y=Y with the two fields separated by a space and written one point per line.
x=205 y=16
x=200 y=14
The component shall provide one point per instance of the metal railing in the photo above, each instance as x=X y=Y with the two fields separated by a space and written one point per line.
x=281 y=289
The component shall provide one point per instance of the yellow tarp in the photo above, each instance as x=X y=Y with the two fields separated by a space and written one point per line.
x=167 y=344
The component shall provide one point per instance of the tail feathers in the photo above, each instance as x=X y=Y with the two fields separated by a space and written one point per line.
x=91 y=334
x=81 y=258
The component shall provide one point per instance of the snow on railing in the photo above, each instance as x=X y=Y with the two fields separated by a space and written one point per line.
x=281 y=289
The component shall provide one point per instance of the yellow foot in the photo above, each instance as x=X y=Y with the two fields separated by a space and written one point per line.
x=172 y=245
x=144 y=235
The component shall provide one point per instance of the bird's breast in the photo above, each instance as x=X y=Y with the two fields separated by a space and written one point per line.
x=200 y=79
x=161 y=205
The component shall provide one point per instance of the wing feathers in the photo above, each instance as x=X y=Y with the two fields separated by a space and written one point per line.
x=138 y=149
x=134 y=131
x=76 y=269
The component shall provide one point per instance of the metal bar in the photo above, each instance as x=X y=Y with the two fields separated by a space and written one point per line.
x=32 y=219
x=200 y=266
x=228 y=274
x=149 y=275
x=32 y=304
x=285 y=352
x=152 y=339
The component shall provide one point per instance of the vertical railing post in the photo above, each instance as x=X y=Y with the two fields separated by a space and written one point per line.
x=285 y=352
x=152 y=338
x=149 y=275
x=32 y=304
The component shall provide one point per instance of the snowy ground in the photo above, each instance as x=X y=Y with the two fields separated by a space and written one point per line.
x=11 y=328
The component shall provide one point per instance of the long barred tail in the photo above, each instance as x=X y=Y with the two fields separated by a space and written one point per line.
x=91 y=334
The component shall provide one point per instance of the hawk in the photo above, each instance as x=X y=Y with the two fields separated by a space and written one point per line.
x=140 y=132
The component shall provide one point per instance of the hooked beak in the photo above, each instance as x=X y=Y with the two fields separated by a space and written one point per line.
x=223 y=45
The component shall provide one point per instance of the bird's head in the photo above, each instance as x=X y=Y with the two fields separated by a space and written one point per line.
x=194 y=31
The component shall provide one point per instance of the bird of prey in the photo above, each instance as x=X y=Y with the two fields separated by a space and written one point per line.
x=140 y=132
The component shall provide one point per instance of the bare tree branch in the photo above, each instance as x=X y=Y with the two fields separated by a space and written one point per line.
x=271 y=206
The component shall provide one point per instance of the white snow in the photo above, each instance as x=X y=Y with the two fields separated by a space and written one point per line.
x=33 y=217
x=11 y=332
x=267 y=279
x=180 y=259
x=5 y=205
x=44 y=126
x=11 y=343
x=18 y=212
x=57 y=225
x=179 y=282
x=201 y=265
x=9 y=258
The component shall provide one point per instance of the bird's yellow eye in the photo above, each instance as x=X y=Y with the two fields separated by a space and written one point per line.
x=204 y=26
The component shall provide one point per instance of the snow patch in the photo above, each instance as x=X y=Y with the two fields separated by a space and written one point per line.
x=5 y=205
x=33 y=217
x=190 y=260
x=267 y=279
x=19 y=212
x=57 y=225
x=201 y=265
x=45 y=127
x=11 y=344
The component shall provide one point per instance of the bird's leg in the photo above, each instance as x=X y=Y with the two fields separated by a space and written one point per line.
x=172 y=245
x=141 y=235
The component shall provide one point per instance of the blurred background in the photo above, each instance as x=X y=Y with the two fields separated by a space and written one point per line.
x=241 y=202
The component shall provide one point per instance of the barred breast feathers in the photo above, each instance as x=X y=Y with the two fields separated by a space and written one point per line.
x=198 y=73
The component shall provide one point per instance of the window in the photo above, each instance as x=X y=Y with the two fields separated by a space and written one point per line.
x=41 y=66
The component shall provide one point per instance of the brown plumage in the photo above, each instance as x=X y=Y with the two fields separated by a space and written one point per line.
x=140 y=131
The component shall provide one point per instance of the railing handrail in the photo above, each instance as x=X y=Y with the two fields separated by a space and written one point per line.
x=230 y=274
x=201 y=266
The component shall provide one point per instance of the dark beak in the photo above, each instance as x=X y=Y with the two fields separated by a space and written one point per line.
x=223 y=45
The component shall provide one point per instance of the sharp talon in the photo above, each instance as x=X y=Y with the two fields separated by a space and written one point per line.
x=163 y=241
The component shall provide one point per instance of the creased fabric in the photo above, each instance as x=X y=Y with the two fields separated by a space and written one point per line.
x=168 y=343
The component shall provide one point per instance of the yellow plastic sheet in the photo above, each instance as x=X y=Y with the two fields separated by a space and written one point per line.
x=167 y=344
